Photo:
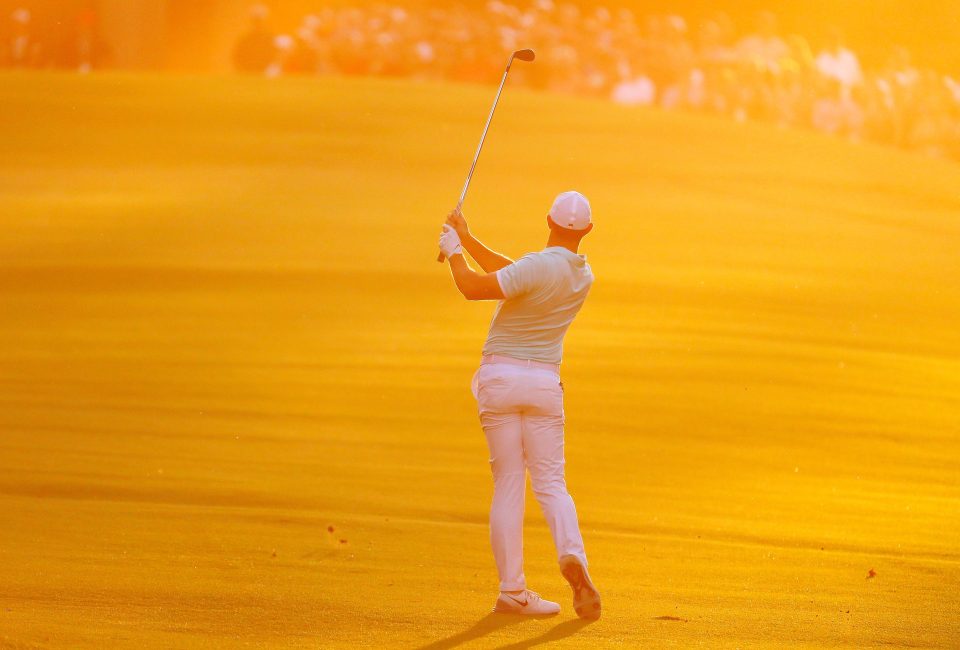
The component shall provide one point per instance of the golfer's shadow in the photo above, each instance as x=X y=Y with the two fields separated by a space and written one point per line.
x=492 y=622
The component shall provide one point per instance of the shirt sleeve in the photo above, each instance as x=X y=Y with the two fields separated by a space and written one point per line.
x=521 y=277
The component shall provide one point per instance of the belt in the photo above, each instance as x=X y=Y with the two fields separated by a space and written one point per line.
x=526 y=363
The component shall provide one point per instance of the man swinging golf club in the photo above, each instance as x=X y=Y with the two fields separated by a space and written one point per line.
x=520 y=396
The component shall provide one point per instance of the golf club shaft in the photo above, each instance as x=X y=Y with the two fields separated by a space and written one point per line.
x=476 y=156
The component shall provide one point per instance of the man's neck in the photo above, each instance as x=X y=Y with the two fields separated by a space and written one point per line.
x=556 y=240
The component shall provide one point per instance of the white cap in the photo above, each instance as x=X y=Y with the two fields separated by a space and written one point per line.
x=571 y=210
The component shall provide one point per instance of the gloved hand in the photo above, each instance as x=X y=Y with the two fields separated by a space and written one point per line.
x=450 y=242
x=458 y=222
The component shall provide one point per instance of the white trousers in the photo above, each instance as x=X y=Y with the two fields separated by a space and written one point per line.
x=521 y=411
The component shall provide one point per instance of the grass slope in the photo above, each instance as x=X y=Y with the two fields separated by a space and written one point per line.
x=233 y=382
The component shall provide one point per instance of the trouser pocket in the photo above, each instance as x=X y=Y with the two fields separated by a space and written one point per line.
x=475 y=385
x=497 y=389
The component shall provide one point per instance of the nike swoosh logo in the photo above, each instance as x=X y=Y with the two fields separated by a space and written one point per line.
x=517 y=600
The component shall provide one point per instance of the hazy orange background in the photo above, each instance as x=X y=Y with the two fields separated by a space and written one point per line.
x=234 y=383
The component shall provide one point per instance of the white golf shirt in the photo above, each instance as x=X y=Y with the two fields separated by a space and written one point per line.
x=544 y=291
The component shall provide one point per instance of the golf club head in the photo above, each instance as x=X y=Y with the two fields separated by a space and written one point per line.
x=525 y=55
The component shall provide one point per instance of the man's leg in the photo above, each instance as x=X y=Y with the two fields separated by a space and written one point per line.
x=543 y=448
x=503 y=434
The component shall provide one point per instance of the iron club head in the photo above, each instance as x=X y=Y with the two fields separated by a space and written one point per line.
x=524 y=55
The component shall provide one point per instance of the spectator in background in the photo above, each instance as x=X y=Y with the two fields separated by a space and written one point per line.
x=387 y=45
x=795 y=85
x=678 y=57
x=307 y=48
x=764 y=49
x=634 y=89
x=22 y=49
x=837 y=109
x=648 y=53
x=761 y=56
x=84 y=50
x=350 y=40
x=422 y=58
x=901 y=69
x=932 y=131
x=597 y=66
x=713 y=70
x=256 y=50
x=837 y=112
x=899 y=83
x=953 y=86
x=838 y=63
x=283 y=51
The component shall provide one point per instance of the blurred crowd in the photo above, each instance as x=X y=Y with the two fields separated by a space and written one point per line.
x=755 y=73
x=746 y=72
x=74 y=44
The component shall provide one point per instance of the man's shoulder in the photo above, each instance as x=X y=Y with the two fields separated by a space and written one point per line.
x=527 y=273
x=547 y=259
x=534 y=259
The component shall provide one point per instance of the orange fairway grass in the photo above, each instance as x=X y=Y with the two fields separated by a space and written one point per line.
x=234 y=404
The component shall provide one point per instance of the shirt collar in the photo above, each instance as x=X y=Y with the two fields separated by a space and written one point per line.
x=566 y=252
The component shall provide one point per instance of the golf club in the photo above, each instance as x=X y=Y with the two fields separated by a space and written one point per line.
x=523 y=55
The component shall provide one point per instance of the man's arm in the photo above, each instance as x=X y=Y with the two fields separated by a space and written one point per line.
x=473 y=285
x=489 y=260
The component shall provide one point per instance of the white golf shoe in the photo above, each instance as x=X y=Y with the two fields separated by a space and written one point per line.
x=526 y=602
x=586 y=598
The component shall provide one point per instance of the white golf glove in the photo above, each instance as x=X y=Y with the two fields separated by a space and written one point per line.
x=450 y=242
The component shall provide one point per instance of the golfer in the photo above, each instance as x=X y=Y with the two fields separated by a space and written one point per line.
x=519 y=394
